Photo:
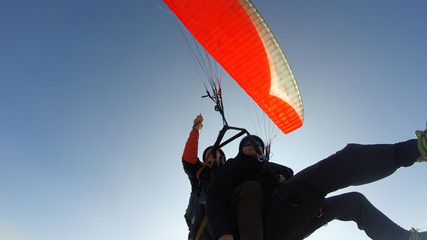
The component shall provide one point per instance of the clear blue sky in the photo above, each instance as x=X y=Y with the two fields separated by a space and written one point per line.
x=97 y=99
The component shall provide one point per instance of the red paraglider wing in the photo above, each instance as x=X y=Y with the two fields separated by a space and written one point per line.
x=238 y=38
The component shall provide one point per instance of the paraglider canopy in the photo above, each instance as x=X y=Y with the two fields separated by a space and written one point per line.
x=238 y=38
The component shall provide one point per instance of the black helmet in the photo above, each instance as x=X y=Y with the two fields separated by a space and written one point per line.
x=221 y=160
x=247 y=139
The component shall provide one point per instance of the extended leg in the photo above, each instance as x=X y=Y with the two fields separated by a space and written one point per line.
x=358 y=164
x=355 y=207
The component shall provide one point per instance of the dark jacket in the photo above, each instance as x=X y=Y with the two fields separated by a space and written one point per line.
x=199 y=174
x=235 y=172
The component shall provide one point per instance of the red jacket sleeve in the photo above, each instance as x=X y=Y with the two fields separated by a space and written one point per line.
x=190 y=150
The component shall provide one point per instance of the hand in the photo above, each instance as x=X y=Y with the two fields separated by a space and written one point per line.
x=198 y=123
x=226 y=237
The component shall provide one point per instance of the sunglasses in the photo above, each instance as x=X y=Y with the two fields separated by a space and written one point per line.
x=249 y=142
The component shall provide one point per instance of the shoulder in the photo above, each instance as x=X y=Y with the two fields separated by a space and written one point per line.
x=276 y=165
x=282 y=169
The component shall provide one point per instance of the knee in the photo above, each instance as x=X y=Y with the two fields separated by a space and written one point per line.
x=251 y=187
x=356 y=199
x=249 y=191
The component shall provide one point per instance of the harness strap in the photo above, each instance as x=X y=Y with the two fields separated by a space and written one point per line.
x=202 y=228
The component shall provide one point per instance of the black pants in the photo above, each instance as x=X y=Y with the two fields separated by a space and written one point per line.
x=299 y=200
x=355 y=207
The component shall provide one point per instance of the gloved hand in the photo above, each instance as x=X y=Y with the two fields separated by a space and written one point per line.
x=198 y=123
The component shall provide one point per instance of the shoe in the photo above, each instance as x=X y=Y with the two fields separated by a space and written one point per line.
x=415 y=235
x=422 y=145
